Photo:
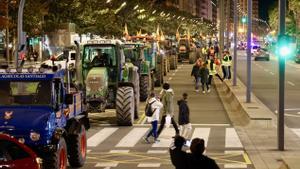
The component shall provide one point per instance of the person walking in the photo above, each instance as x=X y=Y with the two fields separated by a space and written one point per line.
x=185 y=126
x=195 y=73
x=167 y=95
x=204 y=73
x=155 y=107
x=196 y=159
x=212 y=70
x=225 y=61
x=178 y=156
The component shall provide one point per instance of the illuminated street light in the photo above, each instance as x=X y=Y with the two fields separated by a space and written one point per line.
x=108 y=1
x=122 y=5
x=154 y=12
x=136 y=7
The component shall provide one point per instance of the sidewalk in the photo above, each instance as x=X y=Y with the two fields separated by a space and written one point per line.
x=257 y=129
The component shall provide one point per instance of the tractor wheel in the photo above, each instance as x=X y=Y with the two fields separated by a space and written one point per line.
x=77 y=148
x=144 y=87
x=125 y=106
x=172 y=62
x=57 y=159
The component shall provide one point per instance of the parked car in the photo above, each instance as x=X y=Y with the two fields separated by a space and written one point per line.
x=16 y=155
x=297 y=57
x=60 y=59
x=261 y=54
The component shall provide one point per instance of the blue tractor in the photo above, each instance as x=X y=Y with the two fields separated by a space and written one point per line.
x=44 y=110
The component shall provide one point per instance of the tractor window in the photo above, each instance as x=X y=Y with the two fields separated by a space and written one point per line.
x=25 y=93
x=99 y=56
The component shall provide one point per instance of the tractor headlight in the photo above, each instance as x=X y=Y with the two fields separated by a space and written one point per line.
x=21 y=140
x=34 y=136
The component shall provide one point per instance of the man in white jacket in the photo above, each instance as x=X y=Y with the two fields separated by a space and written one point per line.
x=156 y=105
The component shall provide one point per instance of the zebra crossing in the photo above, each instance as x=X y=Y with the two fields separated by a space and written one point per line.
x=118 y=147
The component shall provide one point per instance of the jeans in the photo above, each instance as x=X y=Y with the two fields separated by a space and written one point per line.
x=207 y=86
x=162 y=124
x=229 y=72
x=186 y=130
x=197 y=79
x=153 y=130
x=225 y=70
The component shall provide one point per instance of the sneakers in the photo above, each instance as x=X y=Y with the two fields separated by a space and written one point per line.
x=208 y=90
x=203 y=92
x=146 y=140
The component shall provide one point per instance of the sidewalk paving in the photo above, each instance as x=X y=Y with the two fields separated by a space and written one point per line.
x=258 y=135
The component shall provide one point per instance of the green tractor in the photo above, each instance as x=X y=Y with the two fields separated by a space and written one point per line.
x=108 y=81
x=156 y=63
x=134 y=52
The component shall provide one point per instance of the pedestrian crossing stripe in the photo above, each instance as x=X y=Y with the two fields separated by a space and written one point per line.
x=135 y=135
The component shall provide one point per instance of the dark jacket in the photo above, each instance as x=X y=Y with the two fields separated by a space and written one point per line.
x=195 y=71
x=201 y=162
x=184 y=112
x=178 y=158
x=204 y=73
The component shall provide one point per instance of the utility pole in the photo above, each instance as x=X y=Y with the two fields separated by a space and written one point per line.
x=249 y=46
x=280 y=128
x=235 y=43
x=7 y=32
x=20 y=30
x=222 y=24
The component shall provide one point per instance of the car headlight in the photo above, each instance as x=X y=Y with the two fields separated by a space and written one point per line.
x=34 y=136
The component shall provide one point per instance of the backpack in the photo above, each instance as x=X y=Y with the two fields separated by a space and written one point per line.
x=148 y=109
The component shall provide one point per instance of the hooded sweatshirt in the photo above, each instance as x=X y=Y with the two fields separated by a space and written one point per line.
x=167 y=101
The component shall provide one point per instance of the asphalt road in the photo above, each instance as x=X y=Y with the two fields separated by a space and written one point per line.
x=111 y=146
x=265 y=85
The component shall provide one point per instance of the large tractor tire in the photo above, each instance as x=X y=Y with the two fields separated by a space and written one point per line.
x=172 y=62
x=144 y=88
x=57 y=159
x=77 y=148
x=125 y=106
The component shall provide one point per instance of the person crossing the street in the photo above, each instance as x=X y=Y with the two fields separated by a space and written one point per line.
x=167 y=95
x=184 y=117
x=155 y=107
x=195 y=73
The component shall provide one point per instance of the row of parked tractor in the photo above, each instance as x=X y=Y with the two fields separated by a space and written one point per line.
x=44 y=110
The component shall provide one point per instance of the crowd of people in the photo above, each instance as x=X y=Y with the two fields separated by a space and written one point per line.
x=208 y=66
x=203 y=71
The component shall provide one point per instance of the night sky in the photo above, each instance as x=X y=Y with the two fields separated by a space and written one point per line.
x=264 y=6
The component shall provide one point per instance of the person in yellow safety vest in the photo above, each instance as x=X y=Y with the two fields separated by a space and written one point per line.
x=229 y=64
x=211 y=63
x=126 y=68
x=225 y=64
x=204 y=52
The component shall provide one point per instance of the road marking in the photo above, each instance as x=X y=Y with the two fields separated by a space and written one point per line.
x=202 y=133
x=298 y=112
x=132 y=137
x=106 y=164
x=88 y=151
x=234 y=165
x=165 y=138
x=144 y=165
x=272 y=73
x=119 y=151
x=170 y=78
x=141 y=119
x=99 y=137
x=232 y=139
x=296 y=131
x=176 y=70
x=157 y=151
x=291 y=83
